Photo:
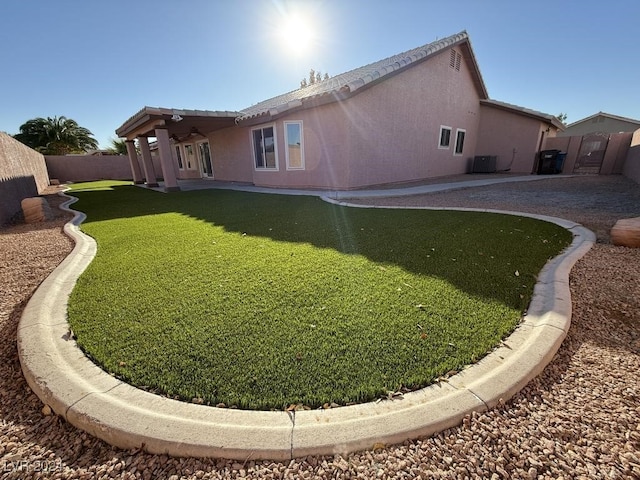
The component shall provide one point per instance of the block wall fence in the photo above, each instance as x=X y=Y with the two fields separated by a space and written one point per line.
x=23 y=174
x=87 y=168
x=621 y=156
x=632 y=164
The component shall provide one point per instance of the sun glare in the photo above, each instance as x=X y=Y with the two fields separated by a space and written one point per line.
x=296 y=34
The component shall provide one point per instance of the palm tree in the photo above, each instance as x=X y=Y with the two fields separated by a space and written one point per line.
x=56 y=136
x=118 y=147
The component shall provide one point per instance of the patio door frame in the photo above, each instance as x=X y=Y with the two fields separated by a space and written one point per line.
x=206 y=165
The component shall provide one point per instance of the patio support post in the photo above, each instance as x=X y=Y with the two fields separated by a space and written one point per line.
x=133 y=162
x=147 y=162
x=166 y=161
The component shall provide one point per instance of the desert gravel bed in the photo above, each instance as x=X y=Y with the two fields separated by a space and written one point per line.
x=579 y=419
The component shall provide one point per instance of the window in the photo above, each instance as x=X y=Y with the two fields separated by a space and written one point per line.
x=189 y=156
x=179 y=157
x=445 y=137
x=264 y=148
x=294 y=147
x=459 y=141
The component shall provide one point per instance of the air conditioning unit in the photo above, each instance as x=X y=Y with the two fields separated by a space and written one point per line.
x=484 y=164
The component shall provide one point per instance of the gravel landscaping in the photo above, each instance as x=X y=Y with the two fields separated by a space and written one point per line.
x=579 y=419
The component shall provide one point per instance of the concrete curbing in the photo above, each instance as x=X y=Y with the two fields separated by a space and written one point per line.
x=126 y=417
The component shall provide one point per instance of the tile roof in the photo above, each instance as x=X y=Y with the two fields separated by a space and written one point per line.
x=349 y=82
x=339 y=86
x=525 y=111
x=158 y=112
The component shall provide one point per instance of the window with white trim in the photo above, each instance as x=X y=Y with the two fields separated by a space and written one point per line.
x=460 y=133
x=179 y=157
x=264 y=148
x=293 y=141
x=445 y=137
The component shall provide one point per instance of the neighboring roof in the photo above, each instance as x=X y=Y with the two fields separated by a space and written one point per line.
x=608 y=115
x=98 y=152
x=545 y=117
x=349 y=83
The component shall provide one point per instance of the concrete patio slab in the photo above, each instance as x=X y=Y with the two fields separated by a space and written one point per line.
x=456 y=182
x=94 y=401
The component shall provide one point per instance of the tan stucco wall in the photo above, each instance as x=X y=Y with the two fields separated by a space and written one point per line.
x=325 y=144
x=186 y=174
x=231 y=154
x=513 y=138
x=388 y=133
x=631 y=167
x=87 y=168
x=396 y=124
x=23 y=174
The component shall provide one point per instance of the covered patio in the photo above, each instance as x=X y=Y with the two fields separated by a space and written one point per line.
x=169 y=127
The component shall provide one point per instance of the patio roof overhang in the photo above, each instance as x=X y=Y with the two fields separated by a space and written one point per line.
x=180 y=124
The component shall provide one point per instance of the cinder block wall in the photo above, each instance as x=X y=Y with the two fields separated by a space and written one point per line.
x=616 y=155
x=23 y=173
x=87 y=168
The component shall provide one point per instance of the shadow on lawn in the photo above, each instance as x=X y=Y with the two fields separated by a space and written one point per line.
x=488 y=255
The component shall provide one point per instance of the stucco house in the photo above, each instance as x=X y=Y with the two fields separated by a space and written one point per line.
x=420 y=114
x=600 y=123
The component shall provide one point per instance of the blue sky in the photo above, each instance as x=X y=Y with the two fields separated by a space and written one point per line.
x=99 y=62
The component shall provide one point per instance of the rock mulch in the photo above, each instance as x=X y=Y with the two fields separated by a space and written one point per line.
x=579 y=419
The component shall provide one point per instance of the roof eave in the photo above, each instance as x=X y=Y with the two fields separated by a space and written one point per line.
x=149 y=117
x=294 y=106
x=477 y=75
x=548 y=119
x=133 y=122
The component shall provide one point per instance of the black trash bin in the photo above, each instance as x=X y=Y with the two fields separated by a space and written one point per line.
x=550 y=162
x=560 y=161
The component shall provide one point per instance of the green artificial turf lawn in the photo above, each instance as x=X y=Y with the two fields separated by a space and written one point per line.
x=263 y=301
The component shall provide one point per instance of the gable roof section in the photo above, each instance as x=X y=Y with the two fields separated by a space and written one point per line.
x=352 y=82
x=603 y=114
x=543 y=117
x=333 y=89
